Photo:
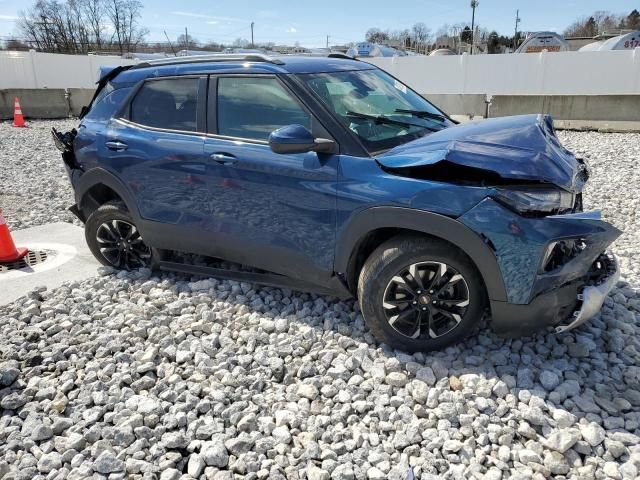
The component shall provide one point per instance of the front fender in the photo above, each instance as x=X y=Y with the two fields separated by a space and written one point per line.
x=521 y=242
x=355 y=230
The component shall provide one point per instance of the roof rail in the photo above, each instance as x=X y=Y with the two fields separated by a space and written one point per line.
x=214 y=57
x=341 y=55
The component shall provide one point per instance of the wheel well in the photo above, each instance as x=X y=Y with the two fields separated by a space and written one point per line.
x=96 y=196
x=365 y=248
x=373 y=240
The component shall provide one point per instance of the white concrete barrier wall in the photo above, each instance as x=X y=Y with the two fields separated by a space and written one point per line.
x=49 y=70
x=565 y=73
x=562 y=73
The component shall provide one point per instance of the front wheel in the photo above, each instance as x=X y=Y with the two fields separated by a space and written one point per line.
x=114 y=239
x=420 y=294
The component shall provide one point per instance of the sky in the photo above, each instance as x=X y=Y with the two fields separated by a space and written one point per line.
x=308 y=23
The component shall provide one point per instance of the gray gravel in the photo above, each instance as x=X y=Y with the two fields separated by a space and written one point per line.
x=34 y=187
x=144 y=376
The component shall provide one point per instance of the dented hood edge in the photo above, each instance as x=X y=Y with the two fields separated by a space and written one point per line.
x=518 y=148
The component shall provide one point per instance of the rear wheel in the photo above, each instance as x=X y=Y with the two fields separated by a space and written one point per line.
x=114 y=239
x=420 y=294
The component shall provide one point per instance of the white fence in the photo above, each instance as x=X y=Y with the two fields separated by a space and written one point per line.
x=565 y=73
x=49 y=70
x=562 y=73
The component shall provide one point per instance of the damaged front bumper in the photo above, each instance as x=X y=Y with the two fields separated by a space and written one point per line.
x=592 y=296
x=64 y=143
x=554 y=268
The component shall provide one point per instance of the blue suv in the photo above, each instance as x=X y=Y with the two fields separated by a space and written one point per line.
x=330 y=175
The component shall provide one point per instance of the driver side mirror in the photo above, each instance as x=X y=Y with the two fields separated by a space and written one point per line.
x=297 y=139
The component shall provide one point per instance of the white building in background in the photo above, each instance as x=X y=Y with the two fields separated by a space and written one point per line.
x=442 y=51
x=288 y=49
x=538 y=41
x=367 y=49
x=627 y=41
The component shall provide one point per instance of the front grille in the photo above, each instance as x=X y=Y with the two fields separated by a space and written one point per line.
x=602 y=268
x=562 y=252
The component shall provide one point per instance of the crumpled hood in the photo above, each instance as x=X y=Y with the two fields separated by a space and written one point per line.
x=523 y=147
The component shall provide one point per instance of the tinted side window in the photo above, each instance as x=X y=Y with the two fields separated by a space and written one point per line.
x=252 y=108
x=170 y=103
x=106 y=106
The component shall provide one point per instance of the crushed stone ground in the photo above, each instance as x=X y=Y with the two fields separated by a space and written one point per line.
x=140 y=375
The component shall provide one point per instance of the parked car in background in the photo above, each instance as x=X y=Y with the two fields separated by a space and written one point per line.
x=331 y=175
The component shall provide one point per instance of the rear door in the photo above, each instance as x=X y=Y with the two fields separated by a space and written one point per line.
x=156 y=147
x=273 y=211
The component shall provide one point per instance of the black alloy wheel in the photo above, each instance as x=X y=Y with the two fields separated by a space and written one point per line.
x=121 y=245
x=115 y=240
x=426 y=299
x=420 y=293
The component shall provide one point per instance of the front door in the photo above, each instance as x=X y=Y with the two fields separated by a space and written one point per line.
x=272 y=211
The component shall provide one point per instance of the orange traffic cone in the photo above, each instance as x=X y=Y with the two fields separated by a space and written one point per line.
x=8 y=251
x=18 y=119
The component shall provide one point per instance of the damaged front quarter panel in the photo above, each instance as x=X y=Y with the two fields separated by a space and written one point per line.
x=520 y=245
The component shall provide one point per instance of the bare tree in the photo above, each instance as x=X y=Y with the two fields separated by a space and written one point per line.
x=421 y=36
x=52 y=26
x=124 y=16
x=444 y=30
x=94 y=15
x=421 y=33
x=403 y=36
x=606 y=21
x=189 y=43
x=375 y=35
x=80 y=26
x=600 y=22
x=583 y=27
x=240 y=43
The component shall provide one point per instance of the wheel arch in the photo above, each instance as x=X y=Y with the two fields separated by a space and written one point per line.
x=98 y=186
x=369 y=228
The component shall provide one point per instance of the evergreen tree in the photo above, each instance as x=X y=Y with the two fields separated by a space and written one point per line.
x=632 y=22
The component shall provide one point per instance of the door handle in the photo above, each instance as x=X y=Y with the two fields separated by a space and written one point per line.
x=116 y=145
x=223 y=158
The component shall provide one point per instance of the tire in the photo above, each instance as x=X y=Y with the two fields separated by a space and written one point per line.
x=114 y=239
x=436 y=317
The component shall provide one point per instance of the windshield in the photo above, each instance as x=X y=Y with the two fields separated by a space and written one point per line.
x=379 y=109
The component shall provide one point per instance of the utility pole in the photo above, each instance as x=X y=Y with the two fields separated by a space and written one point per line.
x=48 y=40
x=456 y=37
x=327 y=41
x=474 y=4
x=515 y=35
x=186 y=39
x=170 y=46
x=252 y=23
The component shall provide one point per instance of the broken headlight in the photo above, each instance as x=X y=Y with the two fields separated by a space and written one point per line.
x=528 y=201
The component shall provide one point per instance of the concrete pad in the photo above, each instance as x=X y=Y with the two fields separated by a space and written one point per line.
x=71 y=260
